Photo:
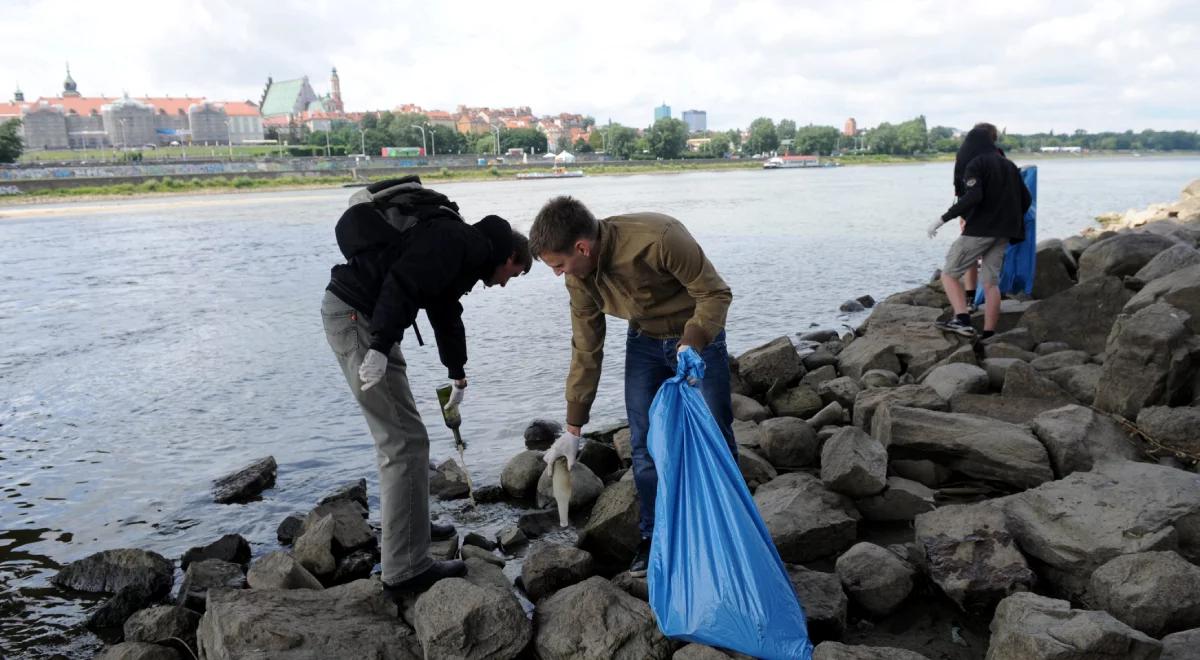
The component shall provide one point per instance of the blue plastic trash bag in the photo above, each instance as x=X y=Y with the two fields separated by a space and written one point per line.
x=715 y=576
x=1019 y=260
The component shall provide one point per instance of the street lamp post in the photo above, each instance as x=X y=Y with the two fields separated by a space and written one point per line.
x=496 y=130
x=229 y=139
x=432 y=140
x=422 y=129
x=124 y=139
x=362 y=138
x=327 y=144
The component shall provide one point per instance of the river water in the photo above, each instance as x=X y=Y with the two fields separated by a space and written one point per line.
x=151 y=346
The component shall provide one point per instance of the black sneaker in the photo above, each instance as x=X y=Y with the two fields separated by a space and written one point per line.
x=441 y=532
x=642 y=561
x=422 y=581
x=955 y=326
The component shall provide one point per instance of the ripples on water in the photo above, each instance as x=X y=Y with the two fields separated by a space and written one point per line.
x=151 y=346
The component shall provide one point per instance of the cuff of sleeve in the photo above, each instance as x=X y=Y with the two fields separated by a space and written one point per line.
x=695 y=336
x=456 y=373
x=577 y=413
x=946 y=217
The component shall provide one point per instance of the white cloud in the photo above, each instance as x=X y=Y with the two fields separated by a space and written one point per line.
x=1025 y=64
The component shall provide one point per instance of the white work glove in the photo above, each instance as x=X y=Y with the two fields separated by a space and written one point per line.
x=456 y=394
x=567 y=446
x=934 y=227
x=374 y=365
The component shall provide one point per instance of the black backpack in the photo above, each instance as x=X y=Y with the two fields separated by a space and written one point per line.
x=396 y=206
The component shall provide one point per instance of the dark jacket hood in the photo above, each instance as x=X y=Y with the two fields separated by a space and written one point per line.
x=977 y=142
x=499 y=235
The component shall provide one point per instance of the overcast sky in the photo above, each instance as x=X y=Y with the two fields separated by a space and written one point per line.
x=1025 y=65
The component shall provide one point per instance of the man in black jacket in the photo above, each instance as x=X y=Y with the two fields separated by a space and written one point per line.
x=993 y=204
x=369 y=302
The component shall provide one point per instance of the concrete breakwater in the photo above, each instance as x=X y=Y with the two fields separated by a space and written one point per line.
x=1032 y=496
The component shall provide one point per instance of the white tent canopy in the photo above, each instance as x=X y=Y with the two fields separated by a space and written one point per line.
x=565 y=157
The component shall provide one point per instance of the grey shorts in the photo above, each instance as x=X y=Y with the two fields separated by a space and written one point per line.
x=967 y=250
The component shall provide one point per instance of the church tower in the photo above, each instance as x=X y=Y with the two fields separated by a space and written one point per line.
x=335 y=91
x=18 y=96
x=69 y=84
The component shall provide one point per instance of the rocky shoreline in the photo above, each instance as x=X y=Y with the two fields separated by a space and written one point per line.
x=1032 y=496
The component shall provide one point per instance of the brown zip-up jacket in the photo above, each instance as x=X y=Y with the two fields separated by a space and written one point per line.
x=652 y=273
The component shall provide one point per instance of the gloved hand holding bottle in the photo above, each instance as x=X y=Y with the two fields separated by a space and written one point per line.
x=566 y=446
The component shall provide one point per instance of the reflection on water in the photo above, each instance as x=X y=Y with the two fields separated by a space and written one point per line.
x=152 y=346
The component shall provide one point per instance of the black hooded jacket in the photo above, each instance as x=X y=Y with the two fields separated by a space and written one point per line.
x=993 y=198
x=434 y=264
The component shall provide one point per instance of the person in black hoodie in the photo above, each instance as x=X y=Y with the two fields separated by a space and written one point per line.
x=993 y=205
x=369 y=303
x=977 y=144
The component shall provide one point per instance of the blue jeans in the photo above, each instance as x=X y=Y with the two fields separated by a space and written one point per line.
x=648 y=363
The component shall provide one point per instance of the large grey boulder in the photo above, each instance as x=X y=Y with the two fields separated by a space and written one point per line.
x=1027 y=626
x=911 y=396
x=975 y=446
x=541 y=433
x=1024 y=381
x=1149 y=361
x=549 y=567
x=957 y=378
x=853 y=463
x=230 y=547
x=1181 y=645
x=1155 y=592
x=279 y=570
x=314 y=547
x=1176 y=257
x=1081 y=316
x=970 y=555
x=353 y=620
x=208 y=574
x=110 y=571
x=1180 y=289
x=520 y=475
x=1052 y=270
x=449 y=481
x=903 y=499
x=748 y=434
x=916 y=346
x=1059 y=359
x=1121 y=255
x=773 y=363
x=350 y=529
x=831 y=415
x=879 y=378
x=457 y=619
x=1073 y=525
x=247 y=483
x=139 y=651
x=886 y=314
x=1011 y=409
x=747 y=409
x=612 y=532
x=162 y=623
x=1175 y=428
x=755 y=469
x=877 y=580
x=108 y=619
x=842 y=389
x=922 y=471
x=822 y=374
x=799 y=401
x=805 y=519
x=840 y=651
x=696 y=651
x=823 y=599
x=1076 y=438
x=1079 y=381
x=788 y=442
x=926 y=295
x=599 y=457
x=585 y=488
x=1075 y=245
x=996 y=369
x=595 y=620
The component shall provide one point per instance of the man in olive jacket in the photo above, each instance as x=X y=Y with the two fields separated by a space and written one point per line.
x=645 y=268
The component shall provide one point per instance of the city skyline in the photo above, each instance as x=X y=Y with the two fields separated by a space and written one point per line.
x=1028 y=66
